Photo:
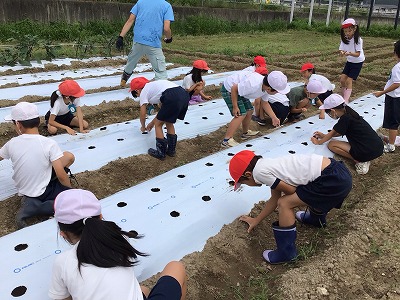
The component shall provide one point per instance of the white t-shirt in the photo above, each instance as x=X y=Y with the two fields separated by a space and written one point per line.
x=324 y=81
x=297 y=169
x=187 y=82
x=250 y=69
x=352 y=47
x=60 y=108
x=153 y=90
x=93 y=282
x=394 y=77
x=249 y=84
x=31 y=157
x=278 y=97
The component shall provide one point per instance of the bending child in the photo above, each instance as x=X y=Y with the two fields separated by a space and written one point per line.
x=39 y=164
x=64 y=104
x=194 y=84
x=100 y=265
x=315 y=181
x=174 y=102
x=363 y=144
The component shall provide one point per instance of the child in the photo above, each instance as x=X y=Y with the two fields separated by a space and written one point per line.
x=276 y=104
x=34 y=158
x=174 y=100
x=100 y=263
x=258 y=61
x=315 y=90
x=295 y=180
x=351 y=46
x=308 y=73
x=363 y=143
x=391 y=115
x=259 y=114
x=194 y=84
x=236 y=90
x=298 y=103
x=64 y=104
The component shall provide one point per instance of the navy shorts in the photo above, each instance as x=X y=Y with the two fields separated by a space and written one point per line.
x=62 y=119
x=52 y=190
x=175 y=102
x=329 y=190
x=166 y=288
x=391 y=116
x=352 y=70
x=281 y=111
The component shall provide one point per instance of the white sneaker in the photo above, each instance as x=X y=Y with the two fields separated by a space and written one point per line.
x=389 y=148
x=229 y=143
x=249 y=134
x=362 y=168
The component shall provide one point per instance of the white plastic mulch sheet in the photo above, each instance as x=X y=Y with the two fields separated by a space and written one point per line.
x=176 y=211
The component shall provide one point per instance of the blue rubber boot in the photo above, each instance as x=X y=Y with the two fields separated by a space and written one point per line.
x=312 y=217
x=161 y=145
x=171 y=140
x=285 y=238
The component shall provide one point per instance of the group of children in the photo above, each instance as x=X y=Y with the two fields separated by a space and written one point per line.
x=317 y=182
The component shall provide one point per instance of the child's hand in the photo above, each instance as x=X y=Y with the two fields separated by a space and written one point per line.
x=249 y=220
x=207 y=97
x=303 y=109
x=342 y=53
x=84 y=131
x=318 y=135
x=322 y=116
x=275 y=122
x=315 y=140
x=71 y=131
x=143 y=129
x=236 y=112
x=150 y=126
x=378 y=93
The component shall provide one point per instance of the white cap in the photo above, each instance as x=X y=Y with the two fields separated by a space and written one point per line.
x=349 y=22
x=278 y=81
x=315 y=86
x=23 y=111
x=332 y=101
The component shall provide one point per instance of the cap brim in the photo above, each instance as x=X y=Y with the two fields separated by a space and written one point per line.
x=322 y=107
x=8 y=118
x=81 y=93
x=285 y=90
x=236 y=186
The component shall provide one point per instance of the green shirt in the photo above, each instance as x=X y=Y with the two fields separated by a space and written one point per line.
x=296 y=94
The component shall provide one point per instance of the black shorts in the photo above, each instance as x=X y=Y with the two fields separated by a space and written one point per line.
x=352 y=70
x=62 y=119
x=175 y=102
x=281 y=111
x=329 y=190
x=52 y=190
x=391 y=116
x=166 y=288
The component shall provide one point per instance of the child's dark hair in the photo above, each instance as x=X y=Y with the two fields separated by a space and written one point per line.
x=250 y=167
x=32 y=123
x=196 y=74
x=347 y=110
x=54 y=96
x=134 y=94
x=356 y=35
x=102 y=243
x=265 y=82
x=397 y=48
x=312 y=71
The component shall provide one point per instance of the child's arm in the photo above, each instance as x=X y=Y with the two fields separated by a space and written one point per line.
x=52 y=121
x=268 y=109
x=142 y=117
x=204 y=96
x=79 y=115
x=60 y=172
x=354 y=54
x=391 y=88
x=322 y=111
x=319 y=138
x=234 y=98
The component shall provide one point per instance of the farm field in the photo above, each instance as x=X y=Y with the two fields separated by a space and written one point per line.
x=356 y=257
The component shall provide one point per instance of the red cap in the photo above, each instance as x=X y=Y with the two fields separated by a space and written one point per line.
x=200 y=64
x=259 y=60
x=138 y=83
x=307 y=66
x=71 y=88
x=262 y=70
x=238 y=164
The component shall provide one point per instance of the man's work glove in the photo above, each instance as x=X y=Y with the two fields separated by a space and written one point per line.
x=120 y=43
x=168 y=40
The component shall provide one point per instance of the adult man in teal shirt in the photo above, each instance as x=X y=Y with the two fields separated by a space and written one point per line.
x=152 y=18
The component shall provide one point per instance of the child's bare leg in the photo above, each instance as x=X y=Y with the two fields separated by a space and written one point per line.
x=392 y=136
x=145 y=290
x=67 y=159
x=176 y=270
x=286 y=204
x=75 y=123
x=170 y=128
x=158 y=128
x=343 y=79
x=233 y=126
x=257 y=106
x=246 y=121
x=341 y=148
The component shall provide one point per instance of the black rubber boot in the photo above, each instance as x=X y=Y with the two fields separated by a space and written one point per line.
x=161 y=145
x=171 y=140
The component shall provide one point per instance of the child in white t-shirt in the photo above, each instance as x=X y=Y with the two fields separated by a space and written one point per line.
x=34 y=159
x=65 y=103
x=258 y=61
x=321 y=183
x=174 y=102
x=351 y=46
x=100 y=265
x=392 y=101
x=194 y=84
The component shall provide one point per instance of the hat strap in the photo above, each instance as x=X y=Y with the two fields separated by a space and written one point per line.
x=84 y=220
x=58 y=93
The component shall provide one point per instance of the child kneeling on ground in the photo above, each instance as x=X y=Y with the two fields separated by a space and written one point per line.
x=321 y=183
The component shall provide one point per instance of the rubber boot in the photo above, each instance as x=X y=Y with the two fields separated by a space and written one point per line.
x=312 y=217
x=346 y=95
x=124 y=78
x=171 y=140
x=285 y=238
x=31 y=207
x=161 y=145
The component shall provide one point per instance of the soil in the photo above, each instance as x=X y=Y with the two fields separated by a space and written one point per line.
x=357 y=256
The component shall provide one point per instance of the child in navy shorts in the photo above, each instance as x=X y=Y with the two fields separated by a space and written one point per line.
x=174 y=100
x=315 y=181
x=391 y=117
